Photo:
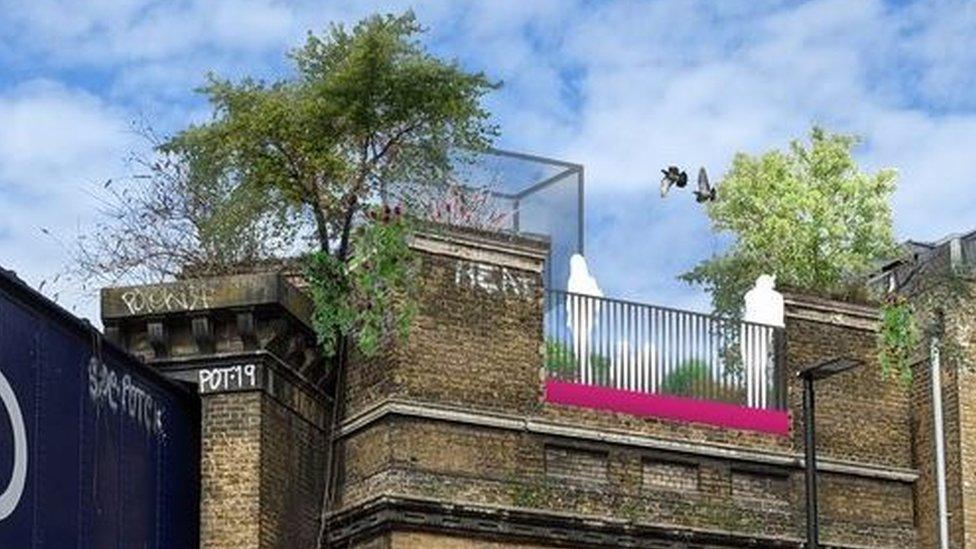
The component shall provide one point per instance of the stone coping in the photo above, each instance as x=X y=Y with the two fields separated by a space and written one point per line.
x=241 y=291
x=831 y=311
x=518 y=252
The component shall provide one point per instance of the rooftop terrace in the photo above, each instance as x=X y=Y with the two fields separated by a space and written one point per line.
x=606 y=352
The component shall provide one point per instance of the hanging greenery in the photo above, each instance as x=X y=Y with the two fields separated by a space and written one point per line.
x=898 y=337
x=904 y=321
x=369 y=296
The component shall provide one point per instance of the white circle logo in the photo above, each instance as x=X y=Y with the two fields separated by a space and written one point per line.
x=10 y=496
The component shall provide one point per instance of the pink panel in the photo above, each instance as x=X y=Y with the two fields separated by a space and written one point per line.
x=668 y=407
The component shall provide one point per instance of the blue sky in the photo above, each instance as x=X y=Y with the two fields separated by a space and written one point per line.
x=624 y=88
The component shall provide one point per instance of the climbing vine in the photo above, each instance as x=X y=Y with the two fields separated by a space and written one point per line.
x=368 y=297
x=905 y=324
x=898 y=337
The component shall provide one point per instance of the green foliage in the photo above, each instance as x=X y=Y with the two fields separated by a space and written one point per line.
x=367 y=297
x=368 y=106
x=906 y=322
x=808 y=216
x=561 y=363
x=898 y=337
x=686 y=377
x=694 y=378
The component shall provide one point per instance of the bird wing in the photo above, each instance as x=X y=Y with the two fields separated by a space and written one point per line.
x=665 y=185
x=703 y=185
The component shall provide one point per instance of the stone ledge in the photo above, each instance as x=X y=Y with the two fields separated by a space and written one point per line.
x=556 y=529
x=436 y=412
x=506 y=250
x=831 y=311
x=205 y=294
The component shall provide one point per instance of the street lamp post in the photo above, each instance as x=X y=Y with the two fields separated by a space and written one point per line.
x=820 y=370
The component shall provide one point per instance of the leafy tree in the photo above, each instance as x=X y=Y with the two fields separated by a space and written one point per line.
x=299 y=163
x=809 y=216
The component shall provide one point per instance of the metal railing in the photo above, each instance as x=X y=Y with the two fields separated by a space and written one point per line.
x=659 y=350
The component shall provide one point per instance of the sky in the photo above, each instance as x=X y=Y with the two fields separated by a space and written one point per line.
x=624 y=88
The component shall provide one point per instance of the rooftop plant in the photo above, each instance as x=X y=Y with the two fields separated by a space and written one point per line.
x=808 y=215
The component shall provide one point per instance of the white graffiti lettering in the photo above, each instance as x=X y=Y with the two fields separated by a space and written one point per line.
x=492 y=279
x=228 y=378
x=124 y=395
x=10 y=497
x=166 y=299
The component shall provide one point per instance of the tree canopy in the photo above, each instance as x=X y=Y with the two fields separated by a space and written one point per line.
x=301 y=164
x=809 y=216
x=367 y=106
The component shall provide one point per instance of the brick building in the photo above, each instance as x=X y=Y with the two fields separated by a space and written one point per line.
x=469 y=434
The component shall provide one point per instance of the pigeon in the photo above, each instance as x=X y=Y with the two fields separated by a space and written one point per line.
x=672 y=176
x=705 y=192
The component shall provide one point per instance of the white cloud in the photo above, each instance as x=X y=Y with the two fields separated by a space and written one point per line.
x=56 y=145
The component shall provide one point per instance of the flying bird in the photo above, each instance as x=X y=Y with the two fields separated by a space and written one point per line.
x=705 y=192
x=672 y=176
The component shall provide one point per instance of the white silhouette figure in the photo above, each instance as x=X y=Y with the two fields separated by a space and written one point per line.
x=581 y=312
x=764 y=305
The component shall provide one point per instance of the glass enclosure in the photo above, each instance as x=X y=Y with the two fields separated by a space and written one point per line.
x=516 y=193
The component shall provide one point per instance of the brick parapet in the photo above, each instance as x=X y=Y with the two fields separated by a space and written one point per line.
x=863 y=415
x=476 y=338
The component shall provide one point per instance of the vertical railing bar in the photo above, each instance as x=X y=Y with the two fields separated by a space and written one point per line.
x=577 y=336
x=683 y=351
x=660 y=358
x=638 y=352
x=634 y=348
x=748 y=364
x=665 y=349
x=621 y=383
x=699 y=344
x=601 y=344
x=607 y=335
x=686 y=349
x=635 y=313
x=643 y=343
x=618 y=367
x=656 y=356
x=685 y=333
x=618 y=318
x=625 y=348
x=568 y=335
x=666 y=346
x=628 y=309
x=757 y=374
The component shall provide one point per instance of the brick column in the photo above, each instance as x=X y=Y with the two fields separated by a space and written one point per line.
x=246 y=342
x=959 y=414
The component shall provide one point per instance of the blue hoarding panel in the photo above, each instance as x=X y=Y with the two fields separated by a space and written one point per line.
x=96 y=449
